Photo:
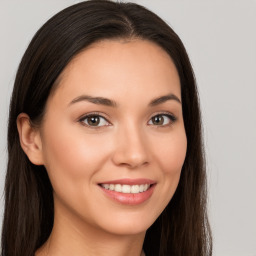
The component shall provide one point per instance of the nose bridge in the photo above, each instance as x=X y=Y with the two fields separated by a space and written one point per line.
x=131 y=148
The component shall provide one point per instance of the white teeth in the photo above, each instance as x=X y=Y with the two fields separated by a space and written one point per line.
x=106 y=186
x=126 y=189
x=118 y=188
x=134 y=189
x=146 y=187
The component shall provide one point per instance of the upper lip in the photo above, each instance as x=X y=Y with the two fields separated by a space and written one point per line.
x=130 y=181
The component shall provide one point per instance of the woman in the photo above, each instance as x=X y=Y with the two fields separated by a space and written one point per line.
x=104 y=140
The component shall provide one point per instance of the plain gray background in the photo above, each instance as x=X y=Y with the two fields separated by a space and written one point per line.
x=220 y=37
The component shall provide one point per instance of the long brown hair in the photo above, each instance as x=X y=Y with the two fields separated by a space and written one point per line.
x=182 y=229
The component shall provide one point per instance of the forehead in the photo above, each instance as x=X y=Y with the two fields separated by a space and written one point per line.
x=112 y=67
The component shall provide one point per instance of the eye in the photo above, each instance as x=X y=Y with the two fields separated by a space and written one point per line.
x=94 y=120
x=162 y=119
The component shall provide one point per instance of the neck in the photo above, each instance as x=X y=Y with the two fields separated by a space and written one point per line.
x=72 y=236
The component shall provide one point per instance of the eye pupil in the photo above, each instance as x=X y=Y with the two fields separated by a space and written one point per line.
x=93 y=120
x=158 y=120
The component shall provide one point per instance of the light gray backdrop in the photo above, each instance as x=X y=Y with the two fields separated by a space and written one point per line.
x=220 y=37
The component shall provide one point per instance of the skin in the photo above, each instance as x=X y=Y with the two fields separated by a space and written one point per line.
x=126 y=144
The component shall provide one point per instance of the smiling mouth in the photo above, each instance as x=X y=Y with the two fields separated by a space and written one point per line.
x=129 y=191
x=126 y=189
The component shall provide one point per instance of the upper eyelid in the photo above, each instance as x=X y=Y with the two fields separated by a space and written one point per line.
x=100 y=114
x=167 y=113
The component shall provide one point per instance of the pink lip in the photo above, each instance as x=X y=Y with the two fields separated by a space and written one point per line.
x=130 y=198
x=130 y=181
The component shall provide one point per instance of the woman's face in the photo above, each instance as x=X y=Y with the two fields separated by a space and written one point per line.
x=113 y=137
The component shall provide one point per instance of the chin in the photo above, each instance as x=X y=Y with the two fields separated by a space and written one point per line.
x=128 y=225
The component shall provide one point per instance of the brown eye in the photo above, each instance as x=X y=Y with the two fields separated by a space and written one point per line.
x=162 y=119
x=158 y=120
x=94 y=121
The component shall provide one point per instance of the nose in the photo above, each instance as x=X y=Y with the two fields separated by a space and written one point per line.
x=131 y=149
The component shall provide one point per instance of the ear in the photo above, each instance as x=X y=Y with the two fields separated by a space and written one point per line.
x=30 y=139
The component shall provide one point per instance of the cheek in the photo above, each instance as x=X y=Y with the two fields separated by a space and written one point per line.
x=172 y=152
x=171 y=156
x=72 y=155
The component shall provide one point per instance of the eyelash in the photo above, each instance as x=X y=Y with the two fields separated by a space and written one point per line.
x=93 y=114
x=170 y=116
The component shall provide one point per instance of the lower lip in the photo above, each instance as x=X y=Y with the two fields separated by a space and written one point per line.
x=129 y=198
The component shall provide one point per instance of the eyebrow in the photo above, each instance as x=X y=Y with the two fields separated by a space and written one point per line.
x=95 y=100
x=111 y=103
x=163 y=99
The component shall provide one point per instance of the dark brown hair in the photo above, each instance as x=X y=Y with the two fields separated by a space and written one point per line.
x=182 y=229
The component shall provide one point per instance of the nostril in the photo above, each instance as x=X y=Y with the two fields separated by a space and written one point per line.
x=130 y=159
